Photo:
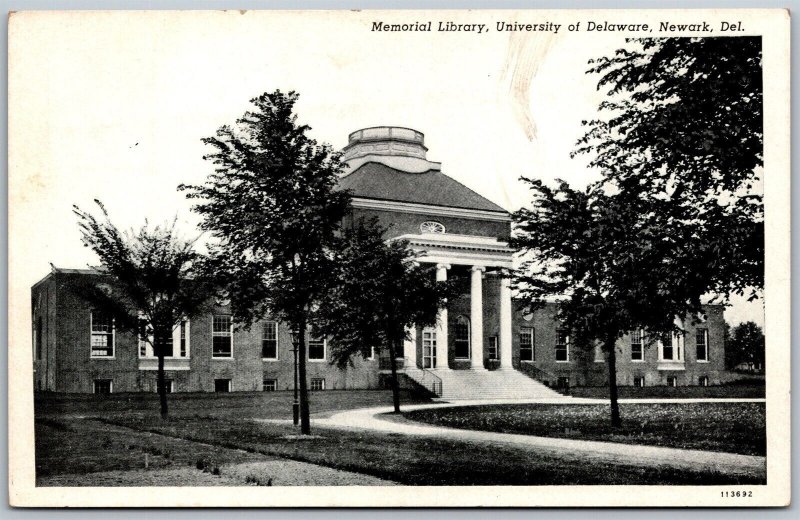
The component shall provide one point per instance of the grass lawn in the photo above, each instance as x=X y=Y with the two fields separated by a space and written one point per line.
x=265 y=405
x=727 y=427
x=85 y=435
x=742 y=391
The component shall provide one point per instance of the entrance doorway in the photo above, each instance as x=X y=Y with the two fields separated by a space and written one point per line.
x=428 y=348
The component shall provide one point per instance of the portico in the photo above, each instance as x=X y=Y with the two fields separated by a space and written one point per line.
x=484 y=259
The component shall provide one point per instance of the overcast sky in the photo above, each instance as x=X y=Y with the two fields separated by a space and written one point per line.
x=114 y=107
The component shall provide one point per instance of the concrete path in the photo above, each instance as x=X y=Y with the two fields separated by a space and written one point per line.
x=375 y=419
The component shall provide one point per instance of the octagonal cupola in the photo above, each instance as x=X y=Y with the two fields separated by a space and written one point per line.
x=395 y=146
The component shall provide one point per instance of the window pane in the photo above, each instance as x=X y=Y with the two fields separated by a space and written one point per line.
x=221 y=346
x=102 y=386
x=222 y=323
x=701 y=338
x=461 y=337
x=101 y=322
x=493 y=347
x=269 y=341
x=316 y=349
x=637 y=350
x=183 y=339
x=526 y=339
x=562 y=342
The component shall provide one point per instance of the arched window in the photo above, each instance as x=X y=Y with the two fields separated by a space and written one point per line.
x=431 y=227
x=461 y=337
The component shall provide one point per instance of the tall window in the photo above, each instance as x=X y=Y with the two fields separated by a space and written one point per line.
x=316 y=349
x=461 y=337
x=177 y=343
x=526 y=345
x=667 y=349
x=637 y=347
x=493 y=348
x=222 y=336
x=701 y=340
x=183 y=338
x=599 y=355
x=428 y=348
x=102 y=335
x=269 y=341
x=38 y=338
x=672 y=347
x=562 y=345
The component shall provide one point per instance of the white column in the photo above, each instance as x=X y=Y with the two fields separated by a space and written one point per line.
x=505 y=323
x=410 y=347
x=441 y=325
x=476 y=318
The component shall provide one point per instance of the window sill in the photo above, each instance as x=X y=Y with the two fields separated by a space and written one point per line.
x=702 y=361
x=270 y=359
x=565 y=361
x=220 y=358
x=462 y=359
x=637 y=360
x=527 y=361
x=169 y=364
x=103 y=357
x=317 y=360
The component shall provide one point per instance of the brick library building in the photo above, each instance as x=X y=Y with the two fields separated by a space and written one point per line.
x=483 y=347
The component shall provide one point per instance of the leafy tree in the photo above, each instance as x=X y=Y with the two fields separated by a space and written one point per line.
x=746 y=345
x=683 y=123
x=380 y=293
x=609 y=260
x=273 y=213
x=154 y=281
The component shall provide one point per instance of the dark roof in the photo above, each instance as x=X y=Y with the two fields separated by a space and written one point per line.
x=378 y=181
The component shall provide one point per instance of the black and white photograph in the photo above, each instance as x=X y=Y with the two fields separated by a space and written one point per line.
x=401 y=258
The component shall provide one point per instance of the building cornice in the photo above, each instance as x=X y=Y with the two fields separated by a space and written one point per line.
x=426 y=209
x=461 y=249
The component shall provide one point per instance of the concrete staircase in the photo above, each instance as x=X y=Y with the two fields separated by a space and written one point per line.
x=481 y=384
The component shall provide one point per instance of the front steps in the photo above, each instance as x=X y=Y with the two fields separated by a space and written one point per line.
x=481 y=384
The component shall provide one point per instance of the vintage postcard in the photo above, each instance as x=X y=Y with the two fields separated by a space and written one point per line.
x=399 y=258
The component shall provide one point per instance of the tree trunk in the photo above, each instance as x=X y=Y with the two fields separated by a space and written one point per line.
x=162 y=388
x=611 y=348
x=305 y=419
x=395 y=383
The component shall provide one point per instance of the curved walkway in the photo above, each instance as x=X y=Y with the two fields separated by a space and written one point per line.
x=381 y=420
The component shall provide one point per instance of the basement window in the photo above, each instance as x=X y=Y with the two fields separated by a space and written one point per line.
x=103 y=386
x=317 y=383
x=168 y=386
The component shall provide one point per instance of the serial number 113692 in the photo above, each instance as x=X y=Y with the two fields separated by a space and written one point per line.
x=736 y=494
